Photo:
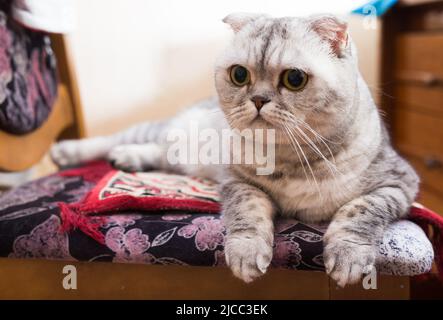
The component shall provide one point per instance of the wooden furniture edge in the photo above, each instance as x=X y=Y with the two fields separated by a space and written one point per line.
x=68 y=76
x=43 y=279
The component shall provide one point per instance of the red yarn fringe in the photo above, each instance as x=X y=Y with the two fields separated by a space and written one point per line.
x=72 y=219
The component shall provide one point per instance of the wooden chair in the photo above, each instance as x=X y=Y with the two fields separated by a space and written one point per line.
x=42 y=279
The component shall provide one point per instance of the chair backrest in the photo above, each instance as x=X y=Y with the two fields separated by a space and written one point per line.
x=20 y=152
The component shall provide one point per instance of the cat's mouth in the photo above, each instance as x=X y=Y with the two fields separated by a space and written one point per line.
x=260 y=118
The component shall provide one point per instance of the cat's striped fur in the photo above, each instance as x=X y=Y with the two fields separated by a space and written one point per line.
x=334 y=160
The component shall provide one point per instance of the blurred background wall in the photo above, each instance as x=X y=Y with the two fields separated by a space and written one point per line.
x=138 y=60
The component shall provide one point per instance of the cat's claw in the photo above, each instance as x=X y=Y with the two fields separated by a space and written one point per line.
x=248 y=257
x=347 y=262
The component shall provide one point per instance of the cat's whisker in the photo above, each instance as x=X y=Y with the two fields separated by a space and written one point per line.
x=332 y=168
x=307 y=126
x=319 y=137
x=218 y=111
x=293 y=145
x=237 y=113
x=312 y=171
x=310 y=168
x=314 y=147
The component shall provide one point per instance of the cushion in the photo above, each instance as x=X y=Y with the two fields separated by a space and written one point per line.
x=31 y=220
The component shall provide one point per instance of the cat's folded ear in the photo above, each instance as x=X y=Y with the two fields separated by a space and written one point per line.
x=240 y=19
x=333 y=30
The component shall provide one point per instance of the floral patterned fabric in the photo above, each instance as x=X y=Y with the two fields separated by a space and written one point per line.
x=30 y=224
x=28 y=82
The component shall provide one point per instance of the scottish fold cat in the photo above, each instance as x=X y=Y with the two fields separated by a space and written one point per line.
x=333 y=159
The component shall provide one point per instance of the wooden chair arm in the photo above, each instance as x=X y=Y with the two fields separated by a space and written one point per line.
x=20 y=152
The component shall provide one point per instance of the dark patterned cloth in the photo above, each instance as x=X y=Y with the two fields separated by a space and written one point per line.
x=30 y=228
x=28 y=82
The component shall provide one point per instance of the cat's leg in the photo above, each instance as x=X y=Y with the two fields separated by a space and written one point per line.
x=74 y=152
x=137 y=157
x=351 y=240
x=248 y=217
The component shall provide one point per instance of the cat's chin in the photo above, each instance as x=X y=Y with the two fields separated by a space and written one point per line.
x=256 y=123
x=261 y=123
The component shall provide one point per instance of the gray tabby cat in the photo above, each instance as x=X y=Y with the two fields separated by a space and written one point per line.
x=334 y=160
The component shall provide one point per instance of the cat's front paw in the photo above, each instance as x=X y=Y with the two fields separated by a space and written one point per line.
x=124 y=158
x=65 y=153
x=248 y=257
x=346 y=260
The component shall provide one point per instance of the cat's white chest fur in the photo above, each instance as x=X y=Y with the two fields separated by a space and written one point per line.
x=310 y=201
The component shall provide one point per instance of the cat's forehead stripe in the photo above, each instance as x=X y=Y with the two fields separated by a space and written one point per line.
x=269 y=34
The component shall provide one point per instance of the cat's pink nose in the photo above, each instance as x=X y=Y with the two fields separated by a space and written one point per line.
x=259 y=101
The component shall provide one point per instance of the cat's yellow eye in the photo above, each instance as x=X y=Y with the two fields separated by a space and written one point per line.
x=294 y=79
x=239 y=75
